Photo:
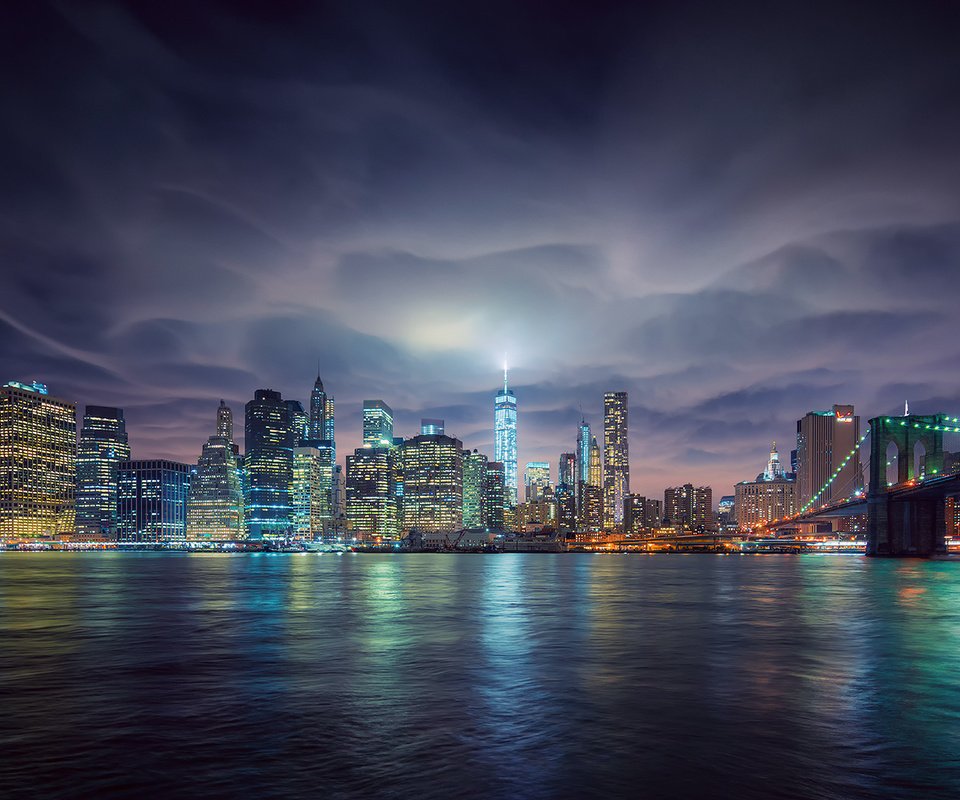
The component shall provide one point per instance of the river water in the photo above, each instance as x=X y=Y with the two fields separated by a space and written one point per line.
x=459 y=676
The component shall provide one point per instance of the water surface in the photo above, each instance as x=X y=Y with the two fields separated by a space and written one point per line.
x=510 y=675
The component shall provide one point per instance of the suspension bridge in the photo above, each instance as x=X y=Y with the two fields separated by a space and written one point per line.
x=905 y=498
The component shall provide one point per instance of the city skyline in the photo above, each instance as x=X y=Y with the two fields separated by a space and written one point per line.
x=402 y=212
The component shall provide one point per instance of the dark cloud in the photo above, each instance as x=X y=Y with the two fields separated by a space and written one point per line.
x=735 y=212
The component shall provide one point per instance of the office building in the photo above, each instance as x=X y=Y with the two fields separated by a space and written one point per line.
x=432 y=483
x=689 y=507
x=215 y=496
x=100 y=449
x=566 y=508
x=772 y=495
x=567 y=471
x=321 y=426
x=824 y=439
x=474 y=490
x=641 y=515
x=505 y=438
x=377 y=424
x=38 y=463
x=311 y=494
x=152 y=501
x=495 y=500
x=616 y=458
x=299 y=423
x=268 y=462
x=371 y=493
x=583 y=459
x=536 y=480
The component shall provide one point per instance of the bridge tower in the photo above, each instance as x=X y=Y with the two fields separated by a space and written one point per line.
x=905 y=526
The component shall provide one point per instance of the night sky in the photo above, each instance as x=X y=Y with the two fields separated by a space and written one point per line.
x=736 y=212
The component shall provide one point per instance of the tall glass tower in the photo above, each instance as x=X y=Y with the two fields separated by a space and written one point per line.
x=269 y=462
x=101 y=448
x=505 y=439
x=616 y=461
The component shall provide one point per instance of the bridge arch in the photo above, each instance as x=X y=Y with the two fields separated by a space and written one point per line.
x=892 y=464
x=906 y=433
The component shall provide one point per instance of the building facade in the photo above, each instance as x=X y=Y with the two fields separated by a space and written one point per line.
x=268 y=460
x=505 y=438
x=536 y=480
x=616 y=458
x=432 y=483
x=824 y=439
x=215 y=495
x=101 y=447
x=641 y=515
x=312 y=491
x=689 y=507
x=371 y=492
x=772 y=495
x=474 y=489
x=377 y=424
x=152 y=501
x=38 y=463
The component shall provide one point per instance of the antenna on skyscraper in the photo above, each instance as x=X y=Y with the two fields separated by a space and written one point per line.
x=906 y=408
x=504 y=373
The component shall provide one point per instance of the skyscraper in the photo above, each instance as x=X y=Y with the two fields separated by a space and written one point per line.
x=377 y=423
x=101 y=448
x=567 y=471
x=432 y=483
x=431 y=425
x=495 y=496
x=582 y=477
x=689 y=507
x=641 y=514
x=152 y=501
x=474 y=489
x=616 y=458
x=38 y=462
x=536 y=479
x=269 y=465
x=215 y=493
x=311 y=495
x=505 y=438
x=299 y=422
x=824 y=439
x=318 y=411
x=371 y=504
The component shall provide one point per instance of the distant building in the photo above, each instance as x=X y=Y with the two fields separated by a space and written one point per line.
x=772 y=495
x=474 y=489
x=38 y=463
x=377 y=424
x=495 y=500
x=432 y=468
x=312 y=491
x=616 y=458
x=215 y=496
x=430 y=426
x=371 y=492
x=100 y=449
x=505 y=438
x=582 y=478
x=689 y=507
x=824 y=439
x=322 y=418
x=567 y=471
x=269 y=465
x=566 y=509
x=152 y=501
x=536 y=480
x=726 y=511
x=299 y=423
x=641 y=514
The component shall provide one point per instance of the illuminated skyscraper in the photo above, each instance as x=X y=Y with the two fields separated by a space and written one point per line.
x=269 y=465
x=371 y=503
x=318 y=411
x=536 y=479
x=616 y=461
x=567 y=471
x=432 y=483
x=377 y=423
x=312 y=491
x=641 y=514
x=505 y=438
x=583 y=454
x=215 y=493
x=495 y=496
x=38 y=463
x=474 y=489
x=689 y=507
x=299 y=422
x=824 y=439
x=152 y=501
x=102 y=446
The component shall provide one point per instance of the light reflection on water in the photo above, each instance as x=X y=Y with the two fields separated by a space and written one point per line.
x=445 y=676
